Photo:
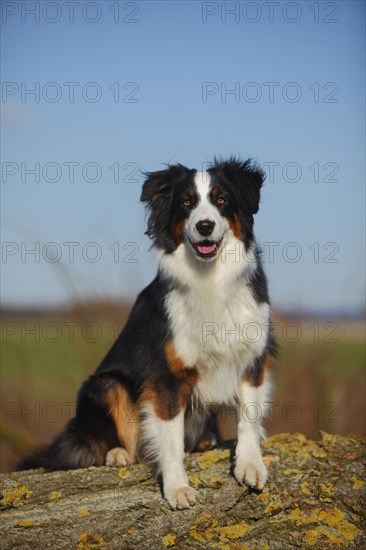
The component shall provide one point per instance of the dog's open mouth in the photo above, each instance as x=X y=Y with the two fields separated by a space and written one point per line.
x=206 y=249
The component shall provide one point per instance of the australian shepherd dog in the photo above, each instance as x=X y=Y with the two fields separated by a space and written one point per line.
x=198 y=337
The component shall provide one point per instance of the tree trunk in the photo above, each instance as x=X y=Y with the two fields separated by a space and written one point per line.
x=313 y=499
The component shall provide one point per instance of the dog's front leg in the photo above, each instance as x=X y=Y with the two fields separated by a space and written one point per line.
x=166 y=441
x=249 y=465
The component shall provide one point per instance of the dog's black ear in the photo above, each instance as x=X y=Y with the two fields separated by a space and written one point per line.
x=157 y=194
x=246 y=178
x=157 y=186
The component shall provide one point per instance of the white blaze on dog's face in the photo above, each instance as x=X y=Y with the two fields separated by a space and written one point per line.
x=205 y=226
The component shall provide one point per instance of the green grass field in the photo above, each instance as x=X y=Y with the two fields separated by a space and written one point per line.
x=319 y=377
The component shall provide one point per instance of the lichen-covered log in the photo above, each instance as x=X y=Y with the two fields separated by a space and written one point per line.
x=314 y=499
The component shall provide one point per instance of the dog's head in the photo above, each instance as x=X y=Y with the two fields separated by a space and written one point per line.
x=199 y=209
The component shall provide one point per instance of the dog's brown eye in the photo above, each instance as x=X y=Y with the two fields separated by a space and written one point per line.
x=186 y=202
x=221 y=200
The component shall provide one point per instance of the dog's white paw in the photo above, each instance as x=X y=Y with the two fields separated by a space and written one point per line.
x=181 y=498
x=117 y=457
x=252 y=471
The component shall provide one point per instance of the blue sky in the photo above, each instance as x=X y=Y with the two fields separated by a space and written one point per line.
x=297 y=83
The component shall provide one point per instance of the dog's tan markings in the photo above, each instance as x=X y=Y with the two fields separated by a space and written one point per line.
x=125 y=416
x=168 y=397
x=188 y=382
x=188 y=377
x=256 y=377
x=160 y=192
x=215 y=193
x=236 y=227
x=175 y=363
x=235 y=224
x=178 y=231
x=163 y=409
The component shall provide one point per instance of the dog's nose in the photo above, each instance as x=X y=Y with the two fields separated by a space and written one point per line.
x=205 y=227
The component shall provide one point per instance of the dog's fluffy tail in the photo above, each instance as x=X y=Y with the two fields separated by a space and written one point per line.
x=87 y=437
x=37 y=459
x=73 y=448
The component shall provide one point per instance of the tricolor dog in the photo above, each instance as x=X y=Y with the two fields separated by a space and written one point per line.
x=199 y=336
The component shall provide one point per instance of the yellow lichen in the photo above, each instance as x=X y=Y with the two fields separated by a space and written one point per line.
x=206 y=530
x=231 y=546
x=292 y=471
x=304 y=486
x=297 y=445
x=195 y=481
x=16 y=496
x=332 y=521
x=357 y=483
x=169 y=540
x=230 y=532
x=212 y=457
x=55 y=495
x=284 y=442
x=204 y=480
x=130 y=531
x=274 y=504
x=317 y=451
x=336 y=518
x=84 y=512
x=87 y=541
x=328 y=439
x=310 y=502
x=25 y=523
x=315 y=536
x=327 y=488
x=124 y=473
x=211 y=481
x=206 y=522
x=263 y=496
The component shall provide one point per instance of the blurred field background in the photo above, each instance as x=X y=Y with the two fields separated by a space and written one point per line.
x=319 y=375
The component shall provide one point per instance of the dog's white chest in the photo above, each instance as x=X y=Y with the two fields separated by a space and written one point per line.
x=220 y=332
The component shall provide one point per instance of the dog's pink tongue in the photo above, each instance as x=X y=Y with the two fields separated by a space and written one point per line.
x=206 y=249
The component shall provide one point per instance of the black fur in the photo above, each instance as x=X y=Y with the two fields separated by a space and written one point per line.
x=242 y=182
x=160 y=192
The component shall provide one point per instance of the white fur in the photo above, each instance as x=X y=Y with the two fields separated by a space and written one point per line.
x=249 y=465
x=205 y=210
x=217 y=325
x=166 y=445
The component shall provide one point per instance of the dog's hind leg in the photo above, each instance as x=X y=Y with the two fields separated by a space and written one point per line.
x=104 y=430
x=125 y=416
x=87 y=437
